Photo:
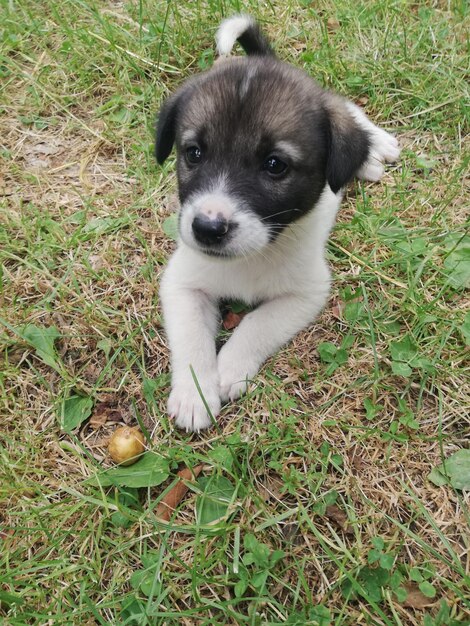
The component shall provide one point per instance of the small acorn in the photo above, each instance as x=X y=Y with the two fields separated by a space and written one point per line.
x=126 y=445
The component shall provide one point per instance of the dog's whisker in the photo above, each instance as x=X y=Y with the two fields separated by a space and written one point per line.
x=269 y=217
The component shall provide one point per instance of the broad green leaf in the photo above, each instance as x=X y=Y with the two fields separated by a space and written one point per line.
x=120 y=520
x=353 y=311
x=392 y=328
x=341 y=356
x=151 y=385
x=371 y=589
x=419 y=245
x=332 y=367
x=42 y=340
x=465 y=329
x=354 y=80
x=396 y=579
x=348 y=590
x=75 y=410
x=102 y=225
x=426 y=163
x=132 y=608
x=150 y=470
x=415 y=575
x=240 y=588
x=401 y=369
x=250 y=542
x=443 y=615
x=373 y=556
x=137 y=578
x=170 y=226
x=336 y=460
x=222 y=455
x=316 y=616
x=122 y=115
x=456 y=468
x=149 y=560
x=327 y=351
x=403 y=350
x=105 y=345
x=409 y=422
x=457 y=264
x=53 y=227
x=320 y=616
x=401 y=594
x=259 y=579
x=437 y=478
x=378 y=543
x=212 y=504
x=261 y=553
x=386 y=561
x=149 y=583
x=371 y=409
x=427 y=589
x=330 y=497
x=276 y=556
x=423 y=363
x=373 y=579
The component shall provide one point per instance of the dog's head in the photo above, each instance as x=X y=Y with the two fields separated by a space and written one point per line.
x=257 y=141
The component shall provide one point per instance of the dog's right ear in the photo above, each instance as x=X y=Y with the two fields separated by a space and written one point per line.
x=166 y=128
x=348 y=145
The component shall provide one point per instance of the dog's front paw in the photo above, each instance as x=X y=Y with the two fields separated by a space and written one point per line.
x=188 y=409
x=234 y=374
x=384 y=148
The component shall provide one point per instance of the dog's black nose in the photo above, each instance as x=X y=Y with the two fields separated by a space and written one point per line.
x=209 y=231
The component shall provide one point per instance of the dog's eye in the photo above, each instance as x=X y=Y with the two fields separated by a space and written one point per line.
x=274 y=166
x=194 y=154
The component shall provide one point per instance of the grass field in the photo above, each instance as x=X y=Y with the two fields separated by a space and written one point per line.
x=319 y=477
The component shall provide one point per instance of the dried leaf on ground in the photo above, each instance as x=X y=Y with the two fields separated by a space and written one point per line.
x=103 y=413
x=333 y=24
x=232 y=320
x=337 y=309
x=339 y=518
x=416 y=598
x=362 y=100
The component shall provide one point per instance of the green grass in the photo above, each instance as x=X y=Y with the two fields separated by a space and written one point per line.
x=321 y=472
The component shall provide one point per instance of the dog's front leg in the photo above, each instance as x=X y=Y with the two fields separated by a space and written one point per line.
x=260 y=334
x=191 y=319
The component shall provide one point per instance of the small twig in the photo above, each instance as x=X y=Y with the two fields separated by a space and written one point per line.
x=167 y=505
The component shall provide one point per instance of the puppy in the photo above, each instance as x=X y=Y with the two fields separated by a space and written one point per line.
x=263 y=154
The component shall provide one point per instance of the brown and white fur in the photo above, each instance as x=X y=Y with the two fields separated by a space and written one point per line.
x=263 y=156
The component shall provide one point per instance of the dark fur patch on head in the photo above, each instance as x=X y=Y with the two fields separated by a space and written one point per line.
x=246 y=110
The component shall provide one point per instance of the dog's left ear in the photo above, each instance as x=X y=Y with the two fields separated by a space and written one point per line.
x=166 y=128
x=348 y=147
x=168 y=121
